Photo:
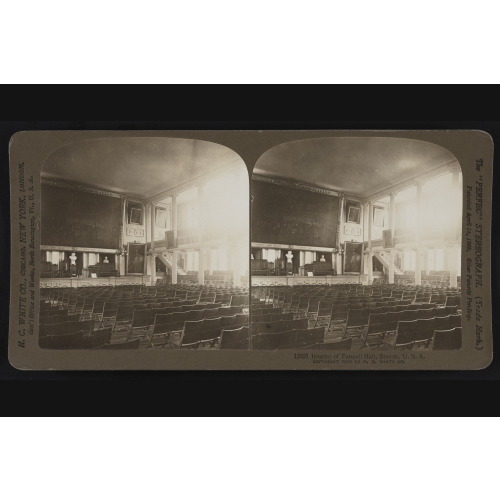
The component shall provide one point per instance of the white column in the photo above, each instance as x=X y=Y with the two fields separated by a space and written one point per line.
x=370 y=265
x=237 y=264
x=201 y=267
x=458 y=197
x=418 y=267
x=340 y=262
x=210 y=260
x=425 y=261
x=390 y=256
x=174 y=267
x=174 y=217
x=451 y=258
x=201 y=212
x=153 y=255
x=302 y=258
x=152 y=220
x=392 y=215
x=121 y=258
x=370 y=226
x=418 y=233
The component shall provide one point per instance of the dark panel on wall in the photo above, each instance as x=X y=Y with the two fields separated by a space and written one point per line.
x=79 y=219
x=289 y=216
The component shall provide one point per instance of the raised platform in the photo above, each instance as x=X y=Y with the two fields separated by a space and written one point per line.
x=85 y=282
x=308 y=280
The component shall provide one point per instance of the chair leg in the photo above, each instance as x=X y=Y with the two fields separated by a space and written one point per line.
x=345 y=331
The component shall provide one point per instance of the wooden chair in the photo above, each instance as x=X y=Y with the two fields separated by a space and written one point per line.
x=165 y=325
x=192 y=334
x=455 y=320
x=424 y=331
x=377 y=327
x=448 y=340
x=453 y=300
x=324 y=314
x=357 y=319
x=312 y=308
x=239 y=300
x=132 y=344
x=123 y=318
x=142 y=322
x=76 y=340
x=425 y=313
x=265 y=341
x=109 y=313
x=342 y=345
x=405 y=334
x=235 y=339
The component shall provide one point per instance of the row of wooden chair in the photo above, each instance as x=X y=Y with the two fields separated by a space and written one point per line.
x=381 y=324
x=423 y=332
x=290 y=339
x=279 y=326
x=358 y=319
x=165 y=326
x=272 y=316
x=78 y=339
x=205 y=331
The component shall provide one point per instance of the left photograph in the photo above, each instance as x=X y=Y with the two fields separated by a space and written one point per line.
x=144 y=245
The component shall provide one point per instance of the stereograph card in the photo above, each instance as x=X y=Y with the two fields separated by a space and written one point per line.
x=251 y=250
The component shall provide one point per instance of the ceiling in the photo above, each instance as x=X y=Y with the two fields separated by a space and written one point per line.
x=359 y=166
x=137 y=166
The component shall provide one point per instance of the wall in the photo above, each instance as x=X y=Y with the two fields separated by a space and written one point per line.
x=79 y=219
x=289 y=216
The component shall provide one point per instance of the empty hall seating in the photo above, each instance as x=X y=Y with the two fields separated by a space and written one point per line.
x=137 y=316
x=368 y=315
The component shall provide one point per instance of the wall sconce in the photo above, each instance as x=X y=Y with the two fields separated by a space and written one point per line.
x=338 y=250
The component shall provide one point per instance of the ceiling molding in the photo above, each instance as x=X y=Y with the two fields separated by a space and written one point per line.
x=79 y=187
x=295 y=185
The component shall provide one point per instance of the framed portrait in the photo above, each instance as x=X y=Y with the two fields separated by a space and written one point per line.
x=353 y=254
x=378 y=216
x=136 y=258
x=135 y=213
x=353 y=212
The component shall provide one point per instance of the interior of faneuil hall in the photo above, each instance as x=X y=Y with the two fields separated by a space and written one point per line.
x=144 y=244
x=354 y=244
x=366 y=256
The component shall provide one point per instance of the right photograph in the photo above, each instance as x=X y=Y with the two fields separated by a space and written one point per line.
x=356 y=245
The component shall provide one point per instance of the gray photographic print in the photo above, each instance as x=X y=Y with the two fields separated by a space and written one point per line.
x=353 y=250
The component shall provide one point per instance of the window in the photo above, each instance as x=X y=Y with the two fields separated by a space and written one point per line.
x=409 y=260
x=192 y=261
x=161 y=217
x=435 y=259
x=187 y=216
x=378 y=216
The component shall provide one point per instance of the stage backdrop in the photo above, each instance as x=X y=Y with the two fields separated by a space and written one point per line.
x=79 y=219
x=290 y=216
